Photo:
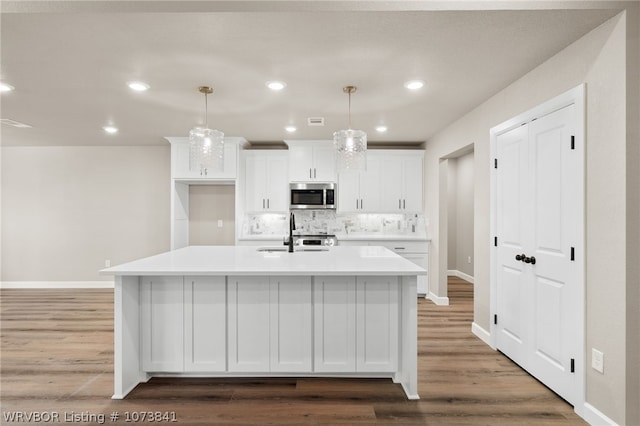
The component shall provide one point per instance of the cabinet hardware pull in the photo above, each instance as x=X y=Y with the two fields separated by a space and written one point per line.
x=520 y=257
x=399 y=203
x=314 y=172
x=357 y=204
x=263 y=203
x=268 y=203
x=404 y=204
x=399 y=248
x=361 y=203
x=309 y=173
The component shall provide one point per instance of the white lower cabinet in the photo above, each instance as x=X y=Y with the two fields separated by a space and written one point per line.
x=377 y=324
x=269 y=324
x=258 y=324
x=162 y=324
x=290 y=324
x=356 y=324
x=334 y=324
x=183 y=324
x=205 y=324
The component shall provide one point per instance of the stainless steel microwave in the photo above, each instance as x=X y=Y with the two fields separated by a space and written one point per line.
x=318 y=196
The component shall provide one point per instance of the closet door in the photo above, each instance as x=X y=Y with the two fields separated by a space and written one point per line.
x=513 y=217
x=537 y=298
x=554 y=184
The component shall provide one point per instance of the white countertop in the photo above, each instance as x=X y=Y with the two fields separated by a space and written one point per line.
x=247 y=260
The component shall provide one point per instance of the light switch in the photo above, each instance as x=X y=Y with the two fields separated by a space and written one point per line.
x=219 y=223
x=597 y=360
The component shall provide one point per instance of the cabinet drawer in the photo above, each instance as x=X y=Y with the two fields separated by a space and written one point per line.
x=404 y=246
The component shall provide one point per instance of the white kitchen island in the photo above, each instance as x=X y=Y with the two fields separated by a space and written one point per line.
x=234 y=311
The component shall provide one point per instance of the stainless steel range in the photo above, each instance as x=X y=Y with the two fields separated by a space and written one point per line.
x=315 y=240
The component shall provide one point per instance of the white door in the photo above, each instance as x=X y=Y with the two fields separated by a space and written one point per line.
x=349 y=192
x=255 y=191
x=537 y=301
x=412 y=184
x=324 y=164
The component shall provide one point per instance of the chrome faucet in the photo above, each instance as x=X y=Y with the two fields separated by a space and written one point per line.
x=292 y=227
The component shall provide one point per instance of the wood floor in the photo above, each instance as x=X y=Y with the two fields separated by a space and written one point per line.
x=57 y=356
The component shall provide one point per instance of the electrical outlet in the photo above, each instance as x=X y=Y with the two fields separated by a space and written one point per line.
x=597 y=360
x=469 y=259
x=219 y=223
x=107 y=263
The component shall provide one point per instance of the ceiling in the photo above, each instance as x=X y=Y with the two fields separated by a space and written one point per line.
x=70 y=70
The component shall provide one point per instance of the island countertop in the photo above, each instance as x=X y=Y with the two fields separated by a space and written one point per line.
x=248 y=260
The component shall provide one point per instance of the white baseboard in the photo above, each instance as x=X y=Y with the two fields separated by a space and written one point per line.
x=55 y=284
x=595 y=417
x=440 y=301
x=460 y=274
x=481 y=333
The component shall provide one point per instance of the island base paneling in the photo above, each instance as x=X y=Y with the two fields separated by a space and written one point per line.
x=261 y=326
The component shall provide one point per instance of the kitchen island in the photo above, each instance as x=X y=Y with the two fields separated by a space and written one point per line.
x=238 y=311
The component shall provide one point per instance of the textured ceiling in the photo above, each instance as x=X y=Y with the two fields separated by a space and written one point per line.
x=70 y=70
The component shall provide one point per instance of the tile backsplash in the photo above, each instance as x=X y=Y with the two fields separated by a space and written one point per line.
x=329 y=222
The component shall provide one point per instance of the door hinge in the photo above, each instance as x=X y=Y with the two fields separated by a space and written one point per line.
x=573 y=142
x=573 y=254
x=495 y=319
x=495 y=241
x=573 y=365
x=495 y=163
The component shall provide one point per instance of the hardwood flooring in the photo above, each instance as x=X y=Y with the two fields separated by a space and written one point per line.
x=57 y=357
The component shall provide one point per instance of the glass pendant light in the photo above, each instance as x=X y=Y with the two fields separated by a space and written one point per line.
x=206 y=146
x=350 y=145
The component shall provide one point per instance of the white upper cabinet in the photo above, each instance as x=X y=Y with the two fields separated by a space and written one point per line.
x=359 y=192
x=402 y=182
x=182 y=169
x=266 y=181
x=311 y=161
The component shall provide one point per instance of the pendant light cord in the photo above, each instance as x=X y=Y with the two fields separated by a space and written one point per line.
x=349 y=110
x=206 y=111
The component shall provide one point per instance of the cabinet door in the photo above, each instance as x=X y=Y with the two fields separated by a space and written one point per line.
x=391 y=185
x=370 y=181
x=248 y=304
x=181 y=162
x=377 y=324
x=205 y=320
x=420 y=259
x=290 y=324
x=183 y=169
x=255 y=188
x=277 y=186
x=349 y=192
x=162 y=324
x=300 y=164
x=334 y=324
x=412 y=184
x=324 y=164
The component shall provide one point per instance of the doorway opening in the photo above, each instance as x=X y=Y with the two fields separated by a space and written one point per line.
x=456 y=219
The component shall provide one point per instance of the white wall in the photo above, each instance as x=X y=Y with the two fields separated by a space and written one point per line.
x=597 y=59
x=66 y=209
x=207 y=205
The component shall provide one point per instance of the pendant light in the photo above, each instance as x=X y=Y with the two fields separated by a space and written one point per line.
x=206 y=146
x=350 y=145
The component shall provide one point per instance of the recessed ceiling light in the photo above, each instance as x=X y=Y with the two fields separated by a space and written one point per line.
x=276 y=85
x=4 y=87
x=414 y=84
x=290 y=129
x=110 y=129
x=138 y=86
x=381 y=129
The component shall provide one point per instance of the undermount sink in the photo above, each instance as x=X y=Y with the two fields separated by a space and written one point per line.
x=284 y=249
